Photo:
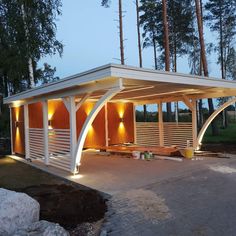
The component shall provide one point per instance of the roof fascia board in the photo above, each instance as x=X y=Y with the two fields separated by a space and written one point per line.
x=79 y=79
x=180 y=98
x=106 y=84
x=168 y=77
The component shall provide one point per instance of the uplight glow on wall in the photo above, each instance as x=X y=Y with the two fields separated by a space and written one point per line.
x=88 y=108
x=121 y=111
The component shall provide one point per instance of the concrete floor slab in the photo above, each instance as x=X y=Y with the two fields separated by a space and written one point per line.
x=161 y=197
x=114 y=173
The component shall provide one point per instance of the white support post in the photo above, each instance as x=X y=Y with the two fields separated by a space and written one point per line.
x=106 y=126
x=194 y=123
x=134 y=114
x=72 y=113
x=188 y=103
x=26 y=127
x=82 y=101
x=12 y=151
x=160 y=122
x=89 y=120
x=66 y=103
x=45 y=132
x=211 y=118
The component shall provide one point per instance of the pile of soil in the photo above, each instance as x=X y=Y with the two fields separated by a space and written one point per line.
x=67 y=205
x=220 y=147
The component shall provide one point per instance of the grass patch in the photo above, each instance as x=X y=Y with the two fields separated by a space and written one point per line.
x=227 y=135
x=60 y=201
x=14 y=175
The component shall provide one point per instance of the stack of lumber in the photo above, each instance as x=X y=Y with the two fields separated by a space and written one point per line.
x=162 y=151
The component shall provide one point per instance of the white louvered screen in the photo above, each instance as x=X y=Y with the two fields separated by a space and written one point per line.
x=36 y=143
x=177 y=134
x=59 y=148
x=147 y=133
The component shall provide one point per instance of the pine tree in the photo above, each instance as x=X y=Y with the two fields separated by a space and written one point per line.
x=204 y=61
x=221 y=17
x=139 y=35
x=167 y=27
x=106 y=3
x=150 y=20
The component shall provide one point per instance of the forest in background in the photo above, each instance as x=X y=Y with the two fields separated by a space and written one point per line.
x=172 y=28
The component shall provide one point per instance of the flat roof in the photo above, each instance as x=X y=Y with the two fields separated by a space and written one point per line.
x=140 y=85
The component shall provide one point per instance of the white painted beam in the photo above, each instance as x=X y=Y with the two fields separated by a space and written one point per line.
x=94 y=75
x=160 y=123
x=11 y=131
x=106 y=127
x=74 y=91
x=135 y=133
x=26 y=127
x=45 y=132
x=211 y=118
x=188 y=103
x=73 y=130
x=89 y=120
x=82 y=101
x=194 y=123
x=66 y=103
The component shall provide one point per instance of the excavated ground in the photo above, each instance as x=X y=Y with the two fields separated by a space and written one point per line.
x=71 y=205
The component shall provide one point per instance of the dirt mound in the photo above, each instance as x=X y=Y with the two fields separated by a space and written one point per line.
x=67 y=205
x=219 y=147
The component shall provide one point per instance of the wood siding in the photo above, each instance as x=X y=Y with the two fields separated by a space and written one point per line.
x=18 y=133
x=35 y=115
x=58 y=115
x=120 y=131
x=96 y=134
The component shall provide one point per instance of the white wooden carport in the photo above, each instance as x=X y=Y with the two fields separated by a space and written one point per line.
x=117 y=83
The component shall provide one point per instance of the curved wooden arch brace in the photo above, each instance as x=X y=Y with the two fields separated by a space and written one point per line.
x=211 y=118
x=89 y=120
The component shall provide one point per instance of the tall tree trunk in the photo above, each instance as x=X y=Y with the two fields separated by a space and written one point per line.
x=140 y=52
x=122 y=57
x=204 y=62
x=200 y=121
x=166 y=36
x=139 y=37
x=224 y=113
x=145 y=113
x=200 y=124
x=30 y=60
x=167 y=51
x=5 y=82
x=221 y=46
x=154 y=51
x=175 y=70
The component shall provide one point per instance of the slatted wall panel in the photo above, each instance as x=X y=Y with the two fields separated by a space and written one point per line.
x=59 y=148
x=177 y=133
x=36 y=143
x=147 y=133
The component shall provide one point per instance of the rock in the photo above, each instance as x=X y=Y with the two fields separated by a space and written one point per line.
x=103 y=233
x=42 y=228
x=16 y=210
